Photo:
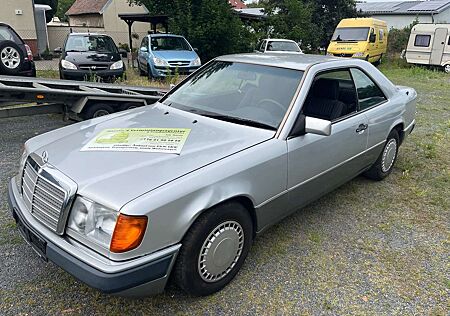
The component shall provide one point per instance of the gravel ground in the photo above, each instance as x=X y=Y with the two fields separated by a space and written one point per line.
x=371 y=248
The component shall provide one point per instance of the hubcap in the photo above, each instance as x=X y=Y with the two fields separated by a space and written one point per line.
x=10 y=57
x=220 y=251
x=99 y=113
x=447 y=69
x=389 y=153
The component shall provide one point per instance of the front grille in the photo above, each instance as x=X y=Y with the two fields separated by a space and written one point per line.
x=179 y=63
x=343 y=55
x=94 y=67
x=44 y=199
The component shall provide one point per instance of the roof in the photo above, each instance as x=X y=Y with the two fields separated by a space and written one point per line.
x=279 y=40
x=404 y=7
x=283 y=60
x=87 y=7
x=237 y=4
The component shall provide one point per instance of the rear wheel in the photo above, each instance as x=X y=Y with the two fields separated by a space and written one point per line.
x=447 y=69
x=97 y=110
x=11 y=58
x=214 y=249
x=385 y=162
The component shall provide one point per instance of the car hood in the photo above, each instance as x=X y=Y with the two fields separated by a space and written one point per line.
x=115 y=178
x=91 y=57
x=176 y=54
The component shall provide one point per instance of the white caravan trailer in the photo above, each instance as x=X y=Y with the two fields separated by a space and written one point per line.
x=429 y=44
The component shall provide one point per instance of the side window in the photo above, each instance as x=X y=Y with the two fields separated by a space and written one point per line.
x=448 y=40
x=332 y=96
x=367 y=91
x=422 y=40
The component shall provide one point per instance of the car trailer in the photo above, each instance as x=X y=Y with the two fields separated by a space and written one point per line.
x=75 y=99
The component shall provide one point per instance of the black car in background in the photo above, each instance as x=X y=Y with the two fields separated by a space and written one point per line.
x=89 y=56
x=16 y=58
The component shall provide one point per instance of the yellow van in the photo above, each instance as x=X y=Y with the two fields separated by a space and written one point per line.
x=363 y=38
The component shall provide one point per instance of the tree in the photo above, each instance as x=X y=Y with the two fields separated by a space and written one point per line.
x=63 y=7
x=51 y=13
x=310 y=21
x=208 y=24
x=327 y=14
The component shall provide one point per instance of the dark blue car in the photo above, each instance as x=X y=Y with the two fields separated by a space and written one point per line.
x=164 y=54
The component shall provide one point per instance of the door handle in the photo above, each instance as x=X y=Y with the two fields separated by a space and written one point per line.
x=361 y=128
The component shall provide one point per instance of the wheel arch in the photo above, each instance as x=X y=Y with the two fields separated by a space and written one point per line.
x=399 y=127
x=243 y=200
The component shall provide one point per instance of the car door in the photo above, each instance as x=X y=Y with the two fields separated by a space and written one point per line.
x=318 y=164
x=379 y=110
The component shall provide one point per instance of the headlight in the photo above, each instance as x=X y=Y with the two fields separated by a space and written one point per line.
x=160 y=62
x=92 y=221
x=358 y=55
x=117 y=65
x=197 y=62
x=68 y=65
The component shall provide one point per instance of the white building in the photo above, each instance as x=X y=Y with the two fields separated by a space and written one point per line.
x=400 y=14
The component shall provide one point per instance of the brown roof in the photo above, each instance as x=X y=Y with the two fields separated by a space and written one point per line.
x=238 y=4
x=86 y=7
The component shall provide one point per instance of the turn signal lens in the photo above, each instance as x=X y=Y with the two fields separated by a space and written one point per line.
x=128 y=233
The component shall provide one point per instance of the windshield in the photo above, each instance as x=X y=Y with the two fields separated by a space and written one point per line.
x=282 y=46
x=169 y=43
x=350 y=34
x=80 y=43
x=245 y=94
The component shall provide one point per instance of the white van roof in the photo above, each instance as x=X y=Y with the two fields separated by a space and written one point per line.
x=430 y=27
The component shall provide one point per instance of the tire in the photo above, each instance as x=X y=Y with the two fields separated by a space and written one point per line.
x=141 y=72
x=447 y=69
x=386 y=161
x=196 y=272
x=11 y=58
x=149 y=73
x=128 y=106
x=96 y=110
x=378 y=62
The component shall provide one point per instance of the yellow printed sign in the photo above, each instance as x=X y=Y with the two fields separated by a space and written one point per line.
x=151 y=140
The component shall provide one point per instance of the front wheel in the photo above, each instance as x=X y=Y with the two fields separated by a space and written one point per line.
x=214 y=249
x=385 y=162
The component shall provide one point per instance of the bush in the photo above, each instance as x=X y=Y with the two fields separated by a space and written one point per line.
x=398 y=39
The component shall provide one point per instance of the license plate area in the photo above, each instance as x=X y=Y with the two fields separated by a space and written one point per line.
x=38 y=244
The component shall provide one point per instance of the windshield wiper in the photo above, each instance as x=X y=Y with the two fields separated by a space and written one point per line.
x=239 y=120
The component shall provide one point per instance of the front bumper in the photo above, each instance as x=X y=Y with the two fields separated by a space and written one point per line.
x=143 y=276
x=170 y=71
x=87 y=75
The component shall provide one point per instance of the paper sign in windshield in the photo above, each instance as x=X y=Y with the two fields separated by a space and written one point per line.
x=151 y=140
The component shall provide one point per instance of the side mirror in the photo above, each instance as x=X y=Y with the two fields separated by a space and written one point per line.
x=144 y=49
x=196 y=49
x=372 y=38
x=58 y=50
x=311 y=125
x=317 y=126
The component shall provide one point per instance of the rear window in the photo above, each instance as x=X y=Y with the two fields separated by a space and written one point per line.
x=6 y=34
x=89 y=43
x=282 y=46
x=422 y=40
